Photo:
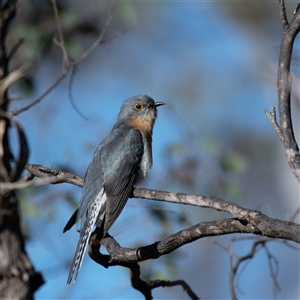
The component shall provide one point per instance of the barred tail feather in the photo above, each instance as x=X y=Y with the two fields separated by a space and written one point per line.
x=85 y=234
x=79 y=254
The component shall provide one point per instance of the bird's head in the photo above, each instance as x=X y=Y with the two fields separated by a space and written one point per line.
x=140 y=112
x=141 y=106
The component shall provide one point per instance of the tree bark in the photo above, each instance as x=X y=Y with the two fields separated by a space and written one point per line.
x=18 y=279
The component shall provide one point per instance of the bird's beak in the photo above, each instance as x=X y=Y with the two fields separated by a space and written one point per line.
x=159 y=103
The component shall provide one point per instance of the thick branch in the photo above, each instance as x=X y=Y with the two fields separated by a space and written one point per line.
x=284 y=86
x=137 y=283
x=191 y=234
x=288 y=230
x=245 y=221
x=252 y=221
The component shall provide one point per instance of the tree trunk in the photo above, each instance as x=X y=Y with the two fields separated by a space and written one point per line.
x=18 y=279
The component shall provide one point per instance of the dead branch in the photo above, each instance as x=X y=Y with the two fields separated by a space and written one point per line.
x=12 y=77
x=136 y=281
x=258 y=244
x=284 y=86
x=68 y=65
x=246 y=220
x=168 y=283
x=21 y=159
x=60 y=35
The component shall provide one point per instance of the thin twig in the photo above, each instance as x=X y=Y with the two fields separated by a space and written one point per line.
x=12 y=77
x=167 y=283
x=284 y=20
x=60 y=35
x=114 y=36
x=272 y=117
x=274 y=269
x=42 y=172
x=99 y=39
x=45 y=93
x=239 y=261
x=70 y=64
x=7 y=186
x=71 y=96
x=15 y=48
x=295 y=214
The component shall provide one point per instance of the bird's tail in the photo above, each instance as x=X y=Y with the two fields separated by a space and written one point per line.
x=79 y=254
x=85 y=234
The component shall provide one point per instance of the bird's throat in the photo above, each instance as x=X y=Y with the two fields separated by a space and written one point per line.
x=145 y=125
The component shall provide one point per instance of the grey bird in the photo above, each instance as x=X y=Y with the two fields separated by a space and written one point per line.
x=121 y=161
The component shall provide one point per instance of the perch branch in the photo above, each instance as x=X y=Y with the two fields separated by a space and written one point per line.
x=137 y=283
x=247 y=220
x=191 y=234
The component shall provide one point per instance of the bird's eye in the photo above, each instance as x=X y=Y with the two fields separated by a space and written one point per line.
x=138 y=106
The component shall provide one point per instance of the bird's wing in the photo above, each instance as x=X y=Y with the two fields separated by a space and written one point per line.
x=109 y=179
x=71 y=221
x=121 y=163
x=91 y=188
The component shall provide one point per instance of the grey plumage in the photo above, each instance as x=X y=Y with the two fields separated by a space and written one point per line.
x=120 y=162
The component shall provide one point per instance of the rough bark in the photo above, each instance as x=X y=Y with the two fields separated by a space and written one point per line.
x=18 y=279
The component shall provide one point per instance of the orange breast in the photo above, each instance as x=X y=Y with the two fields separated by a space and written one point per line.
x=143 y=124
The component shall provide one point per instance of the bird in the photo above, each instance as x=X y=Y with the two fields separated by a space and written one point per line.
x=120 y=162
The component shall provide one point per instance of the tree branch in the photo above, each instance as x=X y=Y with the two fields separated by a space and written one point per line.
x=247 y=220
x=99 y=39
x=137 y=283
x=257 y=245
x=68 y=65
x=11 y=78
x=46 y=175
x=176 y=240
x=260 y=221
x=284 y=20
x=251 y=222
x=23 y=152
x=45 y=93
x=272 y=117
x=45 y=172
x=60 y=35
x=284 y=86
x=167 y=283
